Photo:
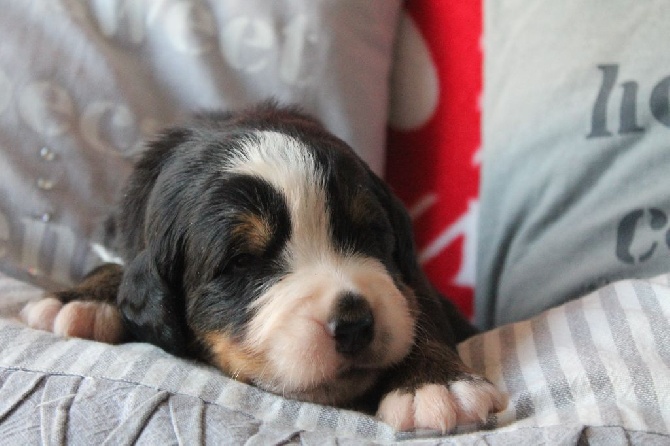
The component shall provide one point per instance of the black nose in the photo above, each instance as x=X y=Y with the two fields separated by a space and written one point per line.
x=352 y=324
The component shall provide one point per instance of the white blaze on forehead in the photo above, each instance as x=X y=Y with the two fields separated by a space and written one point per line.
x=288 y=164
x=288 y=328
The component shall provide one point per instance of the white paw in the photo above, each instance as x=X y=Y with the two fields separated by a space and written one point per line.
x=40 y=314
x=80 y=319
x=441 y=407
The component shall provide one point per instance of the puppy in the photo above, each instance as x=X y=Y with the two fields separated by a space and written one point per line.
x=260 y=243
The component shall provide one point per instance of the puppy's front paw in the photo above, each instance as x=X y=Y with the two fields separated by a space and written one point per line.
x=98 y=321
x=441 y=407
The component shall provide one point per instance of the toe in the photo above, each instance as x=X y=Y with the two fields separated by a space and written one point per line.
x=41 y=314
x=397 y=410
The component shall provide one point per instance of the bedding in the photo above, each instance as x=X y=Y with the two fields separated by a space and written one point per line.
x=593 y=371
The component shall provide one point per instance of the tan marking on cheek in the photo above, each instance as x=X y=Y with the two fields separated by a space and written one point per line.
x=254 y=230
x=234 y=359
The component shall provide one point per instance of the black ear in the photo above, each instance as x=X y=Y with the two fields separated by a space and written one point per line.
x=150 y=311
x=404 y=251
x=439 y=311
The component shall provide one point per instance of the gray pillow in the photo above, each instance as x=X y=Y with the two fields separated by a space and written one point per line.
x=576 y=162
x=82 y=83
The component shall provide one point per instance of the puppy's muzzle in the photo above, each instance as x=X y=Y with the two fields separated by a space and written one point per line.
x=351 y=325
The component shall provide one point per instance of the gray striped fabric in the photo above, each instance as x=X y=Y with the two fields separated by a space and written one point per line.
x=596 y=370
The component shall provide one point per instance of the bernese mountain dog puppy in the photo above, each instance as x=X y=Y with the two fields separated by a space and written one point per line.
x=262 y=244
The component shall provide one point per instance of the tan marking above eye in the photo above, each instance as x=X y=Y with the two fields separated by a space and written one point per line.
x=254 y=230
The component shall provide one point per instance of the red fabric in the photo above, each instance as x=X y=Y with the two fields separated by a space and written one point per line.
x=439 y=159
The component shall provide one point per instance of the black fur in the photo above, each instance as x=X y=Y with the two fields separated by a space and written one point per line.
x=186 y=273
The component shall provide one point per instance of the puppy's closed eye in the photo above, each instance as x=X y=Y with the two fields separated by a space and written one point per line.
x=241 y=262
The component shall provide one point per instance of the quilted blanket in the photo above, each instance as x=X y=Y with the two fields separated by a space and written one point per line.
x=596 y=370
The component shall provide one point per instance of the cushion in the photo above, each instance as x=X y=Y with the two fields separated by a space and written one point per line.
x=434 y=137
x=576 y=121
x=82 y=84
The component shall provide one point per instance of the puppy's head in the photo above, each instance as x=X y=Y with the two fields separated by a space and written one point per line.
x=290 y=261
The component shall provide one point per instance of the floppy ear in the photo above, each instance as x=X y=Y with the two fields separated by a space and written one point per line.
x=150 y=311
x=442 y=313
x=404 y=251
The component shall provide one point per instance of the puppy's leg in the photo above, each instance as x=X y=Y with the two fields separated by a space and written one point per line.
x=86 y=311
x=432 y=388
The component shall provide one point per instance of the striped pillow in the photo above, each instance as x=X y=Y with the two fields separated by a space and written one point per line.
x=595 y=369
